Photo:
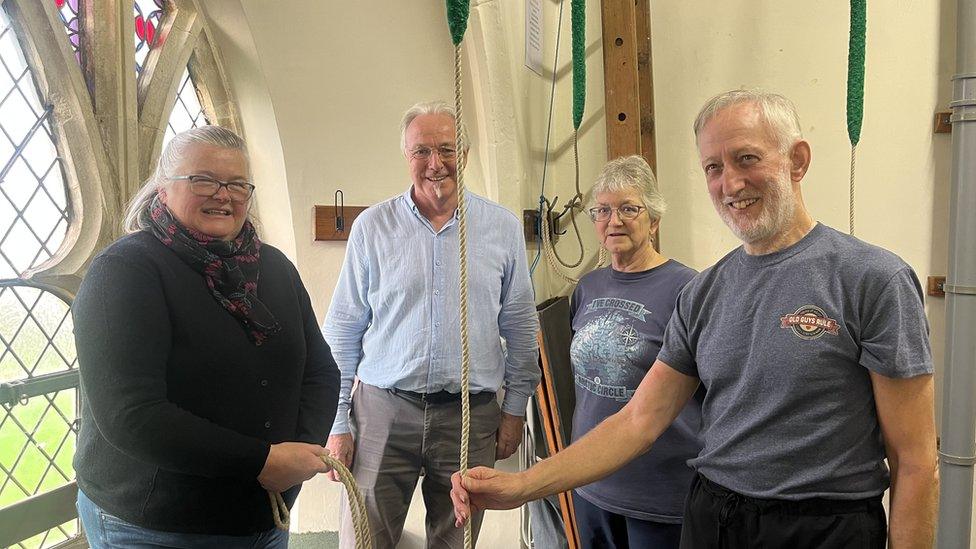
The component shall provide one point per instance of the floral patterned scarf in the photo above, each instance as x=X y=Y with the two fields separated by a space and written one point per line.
x=230 y=268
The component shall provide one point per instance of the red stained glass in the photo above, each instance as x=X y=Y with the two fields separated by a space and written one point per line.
x=148 y=15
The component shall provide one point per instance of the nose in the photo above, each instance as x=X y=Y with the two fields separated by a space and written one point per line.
x=435 y=163
x=615 y=218
x=733 y=179
x=222 y=194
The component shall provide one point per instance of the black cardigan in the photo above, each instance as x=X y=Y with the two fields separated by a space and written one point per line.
x=179 y=408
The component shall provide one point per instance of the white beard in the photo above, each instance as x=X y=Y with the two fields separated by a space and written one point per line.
x=779 y=205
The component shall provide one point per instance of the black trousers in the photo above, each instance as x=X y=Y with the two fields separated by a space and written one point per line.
x=718 y=518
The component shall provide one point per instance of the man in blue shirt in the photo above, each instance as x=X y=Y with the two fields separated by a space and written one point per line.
x=393 y=323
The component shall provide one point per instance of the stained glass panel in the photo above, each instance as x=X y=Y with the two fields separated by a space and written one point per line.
x=187 y=112
x=69 y=12
x=148 y=14
x=33 y=198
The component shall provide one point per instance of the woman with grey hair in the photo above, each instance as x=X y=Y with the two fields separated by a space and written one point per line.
x=619 y=314
x=205 y=376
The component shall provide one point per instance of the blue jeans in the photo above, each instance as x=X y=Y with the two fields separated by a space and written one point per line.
x=105 y=531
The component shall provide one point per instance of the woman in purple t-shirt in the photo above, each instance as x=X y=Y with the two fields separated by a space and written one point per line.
x=619 y=314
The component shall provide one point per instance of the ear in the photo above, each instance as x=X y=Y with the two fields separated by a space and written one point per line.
x=799 y=160
x=162 y=194
x=655 y=224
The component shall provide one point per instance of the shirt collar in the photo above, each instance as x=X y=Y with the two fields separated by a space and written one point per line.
x=408 y=197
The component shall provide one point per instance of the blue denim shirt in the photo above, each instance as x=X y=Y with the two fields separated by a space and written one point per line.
x=394 y=318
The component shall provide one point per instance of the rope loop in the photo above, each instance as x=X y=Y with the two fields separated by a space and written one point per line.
x=357 y=505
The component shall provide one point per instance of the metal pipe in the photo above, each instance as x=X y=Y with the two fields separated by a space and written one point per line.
x=957 y=452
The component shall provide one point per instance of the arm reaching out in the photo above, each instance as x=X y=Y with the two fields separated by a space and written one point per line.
x=612 y=444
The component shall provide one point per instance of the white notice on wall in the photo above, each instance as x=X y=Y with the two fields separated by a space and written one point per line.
x=533 y=35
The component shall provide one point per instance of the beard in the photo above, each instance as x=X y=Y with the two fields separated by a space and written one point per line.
x=439 y=190
x=778 y=207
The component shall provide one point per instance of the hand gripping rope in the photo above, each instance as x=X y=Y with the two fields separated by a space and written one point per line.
x=356 y=505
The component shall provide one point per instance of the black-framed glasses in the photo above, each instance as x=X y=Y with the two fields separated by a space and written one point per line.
x=424 y=153
x=204 y=185
x=627 y=211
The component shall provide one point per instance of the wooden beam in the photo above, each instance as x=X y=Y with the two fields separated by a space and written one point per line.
x=621 y=90
x=629 y=81
x=645 y=82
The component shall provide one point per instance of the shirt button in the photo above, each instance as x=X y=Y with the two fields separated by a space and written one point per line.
x=264 y=382
x=437 y=292
x=267 y=424
x=438 y=263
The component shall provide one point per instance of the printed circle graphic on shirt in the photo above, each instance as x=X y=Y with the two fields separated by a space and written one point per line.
x=605 y=350
x=809 y=322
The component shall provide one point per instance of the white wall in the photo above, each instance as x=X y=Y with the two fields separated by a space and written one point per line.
x=800 y=49
x=322 y=86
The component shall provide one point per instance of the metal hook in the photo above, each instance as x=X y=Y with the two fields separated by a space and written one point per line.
x=340 y=206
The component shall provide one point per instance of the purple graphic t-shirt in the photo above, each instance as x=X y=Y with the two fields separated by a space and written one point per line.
x=618 y=323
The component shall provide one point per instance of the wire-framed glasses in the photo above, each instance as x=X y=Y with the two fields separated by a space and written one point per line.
x=424 y=153
x=204 y=185
x=627 y=211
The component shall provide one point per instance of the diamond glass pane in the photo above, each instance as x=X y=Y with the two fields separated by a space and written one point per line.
x=52 y=537
x=69 y=12
x=33 y=198
x=36 y=334
x=37 y=441
x=148 y=14
x=187 y=112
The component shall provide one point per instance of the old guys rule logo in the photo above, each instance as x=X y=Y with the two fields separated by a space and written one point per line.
x=809 y=322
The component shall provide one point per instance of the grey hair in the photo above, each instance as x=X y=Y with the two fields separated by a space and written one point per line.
x=778 y=112
x=428 y=108
x=631 y=172
x=167 y=161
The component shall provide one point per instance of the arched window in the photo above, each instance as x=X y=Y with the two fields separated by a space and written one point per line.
x=76 y=140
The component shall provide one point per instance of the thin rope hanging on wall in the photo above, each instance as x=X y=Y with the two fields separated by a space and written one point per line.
x=457 y=20
x=575 y=204
x=855 y=86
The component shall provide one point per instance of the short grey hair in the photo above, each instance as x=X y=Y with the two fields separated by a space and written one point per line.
x=428 y=108
x=171 y=155
x=631 y=172
x=778 y=112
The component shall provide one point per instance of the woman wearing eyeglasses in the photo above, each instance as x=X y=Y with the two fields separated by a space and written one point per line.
x=619 y=314
x=205 y=378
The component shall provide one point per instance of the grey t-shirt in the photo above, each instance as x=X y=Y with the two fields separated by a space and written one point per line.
x=618 y=324
x=783 y=343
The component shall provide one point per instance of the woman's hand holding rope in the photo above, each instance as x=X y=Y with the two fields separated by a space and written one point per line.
x=291 y=463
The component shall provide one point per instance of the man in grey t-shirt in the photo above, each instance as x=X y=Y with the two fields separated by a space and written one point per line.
x=813 y=349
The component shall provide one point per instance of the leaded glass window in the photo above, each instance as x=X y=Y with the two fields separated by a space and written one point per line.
x=37 y=434
x=148 y=14
x=187 y=112
x=38 y=427
x=33 y=202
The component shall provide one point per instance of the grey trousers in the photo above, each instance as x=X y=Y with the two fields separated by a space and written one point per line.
x=395 y=438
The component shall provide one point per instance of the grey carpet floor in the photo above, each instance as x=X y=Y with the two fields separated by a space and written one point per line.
x=314 y=540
